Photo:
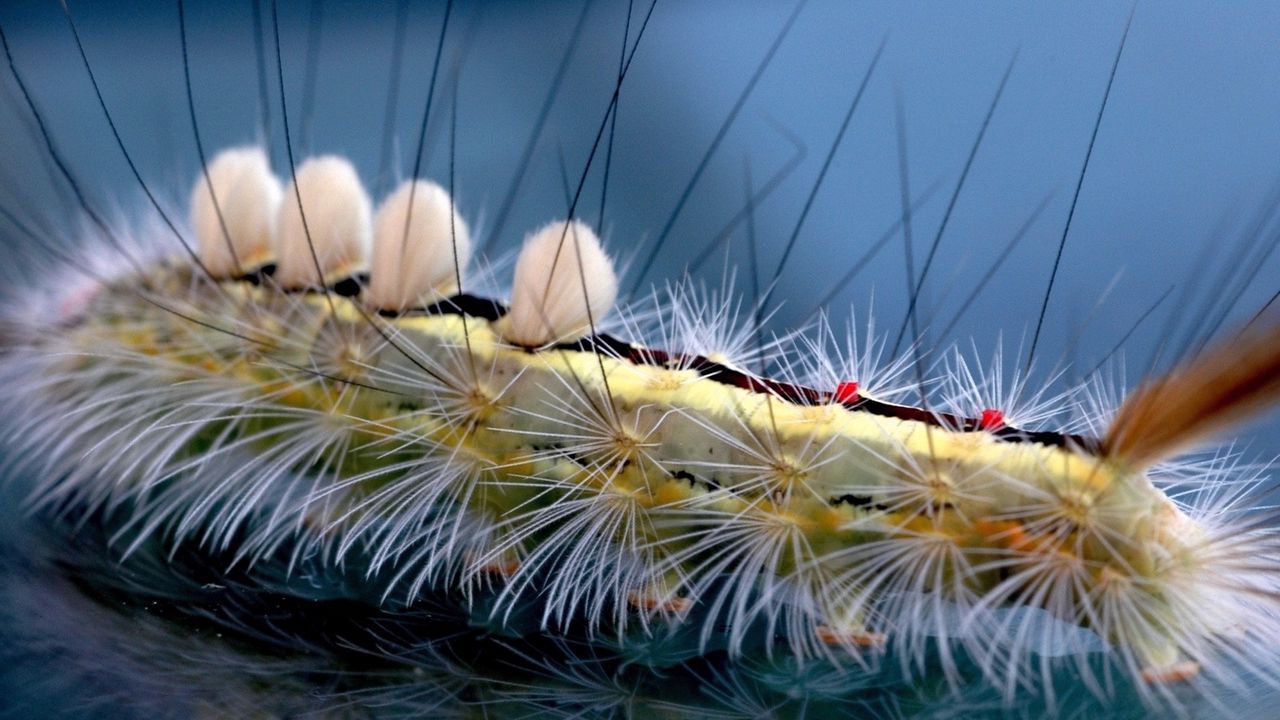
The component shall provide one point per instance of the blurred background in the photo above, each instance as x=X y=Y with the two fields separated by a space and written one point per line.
x=1173 y=213
x=1184 y=157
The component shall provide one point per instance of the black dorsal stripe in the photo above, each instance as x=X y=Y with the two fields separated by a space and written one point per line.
x=491 y=310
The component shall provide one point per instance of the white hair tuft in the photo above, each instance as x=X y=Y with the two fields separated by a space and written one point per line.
x=563 y=282
x=416 y=233
x=333 y=222
x=233 y=209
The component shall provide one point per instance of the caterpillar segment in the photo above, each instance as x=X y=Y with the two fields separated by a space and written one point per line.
x=378 y=415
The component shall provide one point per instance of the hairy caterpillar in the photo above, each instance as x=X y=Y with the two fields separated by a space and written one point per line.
x=297 y=342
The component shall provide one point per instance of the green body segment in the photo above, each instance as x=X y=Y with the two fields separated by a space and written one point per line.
x=683 y=455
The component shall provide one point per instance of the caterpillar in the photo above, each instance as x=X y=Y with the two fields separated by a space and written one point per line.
x=301 y=394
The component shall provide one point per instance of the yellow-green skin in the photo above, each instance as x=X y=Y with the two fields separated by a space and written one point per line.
x=1004 y=506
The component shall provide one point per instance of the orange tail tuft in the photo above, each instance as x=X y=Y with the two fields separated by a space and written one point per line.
x=1201 y=397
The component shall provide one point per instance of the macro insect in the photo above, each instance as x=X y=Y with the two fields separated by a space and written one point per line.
x=327 y=395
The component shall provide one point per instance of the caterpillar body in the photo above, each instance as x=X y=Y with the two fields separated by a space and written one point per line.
x=314 y=401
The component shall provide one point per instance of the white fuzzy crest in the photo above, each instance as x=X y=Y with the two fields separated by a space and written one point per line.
x=563 y=281
x=234 y=206
x=416 y=232
x=334 y=221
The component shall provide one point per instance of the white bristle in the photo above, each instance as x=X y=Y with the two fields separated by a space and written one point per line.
x=553 y=297
x=338 y=224
x=235 y=221
x=413 y=264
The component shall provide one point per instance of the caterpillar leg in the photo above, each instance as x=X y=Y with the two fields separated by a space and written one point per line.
x=1178 y=672
x=850 y=636
x=662 y=602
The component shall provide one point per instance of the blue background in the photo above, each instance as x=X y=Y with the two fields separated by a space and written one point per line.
x=1185 y=159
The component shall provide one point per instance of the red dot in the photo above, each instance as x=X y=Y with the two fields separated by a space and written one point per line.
x=847 y=392
x=991 y=420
